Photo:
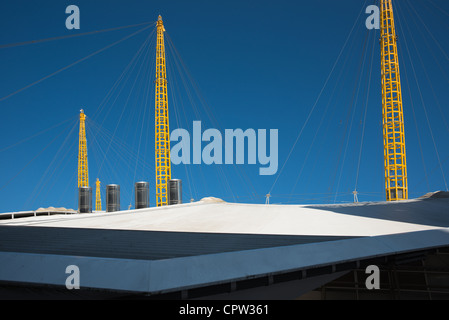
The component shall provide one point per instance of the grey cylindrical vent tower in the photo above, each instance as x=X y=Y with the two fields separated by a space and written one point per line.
x=142 y=192
x=85 y=199
x=112 y=197
x=174 y=187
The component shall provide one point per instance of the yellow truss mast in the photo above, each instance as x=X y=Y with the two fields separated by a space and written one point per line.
x=393 y=119
x=83 y=172
x=97 y=196
x=162 y=135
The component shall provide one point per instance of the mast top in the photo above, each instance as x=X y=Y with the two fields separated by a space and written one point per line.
x=160 y=23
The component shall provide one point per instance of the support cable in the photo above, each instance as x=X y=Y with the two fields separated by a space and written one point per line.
x=431 y=34
x=324 y=116
x=35 y=135
x=439 y=8
x=52 y=165
x=318 y=98
x=71 y=64
x=426 y=114
x=119 y=80
x=353 y=105
x=29 y=162
x=10 y=45
x=182 y=66
x=412 y=104
x=364 y=122
x=121 y=116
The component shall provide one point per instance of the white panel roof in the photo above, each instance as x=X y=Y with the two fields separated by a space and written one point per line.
x=359 y=219
x=185 y=246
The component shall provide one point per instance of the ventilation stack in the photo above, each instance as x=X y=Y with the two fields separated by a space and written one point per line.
x=112 y=198
x=174 y=187
x=142 y=193
x=85 y=199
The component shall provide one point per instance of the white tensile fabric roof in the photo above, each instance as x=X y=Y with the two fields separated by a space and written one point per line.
x=207 y=242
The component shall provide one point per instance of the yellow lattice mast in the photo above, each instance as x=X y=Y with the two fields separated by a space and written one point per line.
x=97 y=196
x=162 y=135
x=393 y=119
x=83 y=172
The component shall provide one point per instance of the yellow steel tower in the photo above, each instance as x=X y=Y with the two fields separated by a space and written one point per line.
x=83 y=172
x=162 y=135
x=97 y=196
x=393 y=119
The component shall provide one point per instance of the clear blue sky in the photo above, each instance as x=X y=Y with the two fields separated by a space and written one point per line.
x=256 y=64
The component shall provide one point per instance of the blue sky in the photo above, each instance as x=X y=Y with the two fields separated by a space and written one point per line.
x=244 y=64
